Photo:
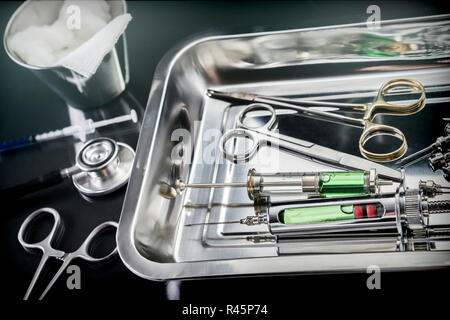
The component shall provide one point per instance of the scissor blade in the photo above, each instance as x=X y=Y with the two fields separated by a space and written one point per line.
x=348 y=161
x=330 y=156
x=231 y=96
x=363 y=164
x=244 y=97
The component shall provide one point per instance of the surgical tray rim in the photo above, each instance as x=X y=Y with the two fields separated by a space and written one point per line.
x=305 y=264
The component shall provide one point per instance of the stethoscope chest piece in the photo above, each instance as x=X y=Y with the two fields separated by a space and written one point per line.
x=105 y=166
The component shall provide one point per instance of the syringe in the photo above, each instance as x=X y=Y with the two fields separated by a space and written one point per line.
x=80 y=130
x=381 y=211
x=310 y=214
x=387 y=221
x=314 y=184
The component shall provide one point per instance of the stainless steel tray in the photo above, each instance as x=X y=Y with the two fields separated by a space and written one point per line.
x=338 y=63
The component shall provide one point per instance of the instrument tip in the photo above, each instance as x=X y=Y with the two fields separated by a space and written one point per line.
x=211 y=93
x=133 y=115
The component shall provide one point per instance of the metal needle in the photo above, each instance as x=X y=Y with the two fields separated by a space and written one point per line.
x=208 y=223
x=181 y=185
x=406 y=161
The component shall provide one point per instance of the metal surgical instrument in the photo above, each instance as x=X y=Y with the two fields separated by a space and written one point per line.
x=102 y=166
x=266 y=135
x=369 y=110
x=441 y=145
x=46 y=246
x=81 y=130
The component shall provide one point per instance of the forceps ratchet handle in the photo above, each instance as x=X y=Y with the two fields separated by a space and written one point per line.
x=83 y=253
x=44 y=245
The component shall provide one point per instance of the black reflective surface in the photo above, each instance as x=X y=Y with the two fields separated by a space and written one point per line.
x=29 y=107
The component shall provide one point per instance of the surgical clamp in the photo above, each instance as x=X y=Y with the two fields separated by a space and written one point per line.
x=46 y=246
x=369 y=110
x=265 y=134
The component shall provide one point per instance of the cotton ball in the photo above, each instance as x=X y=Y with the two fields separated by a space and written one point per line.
x=45 y=45
x=32 y=46
x=59 y=36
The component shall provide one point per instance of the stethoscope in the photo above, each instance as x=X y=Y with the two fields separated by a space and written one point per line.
x=102 y=166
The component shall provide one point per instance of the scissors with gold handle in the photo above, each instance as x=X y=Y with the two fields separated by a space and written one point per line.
x=369 y=112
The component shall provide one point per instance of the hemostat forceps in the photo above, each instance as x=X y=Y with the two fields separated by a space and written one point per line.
x=369 y=111
x=266 y=135
x=46 y=246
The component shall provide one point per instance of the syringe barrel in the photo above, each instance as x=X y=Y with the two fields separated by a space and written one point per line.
x=331 y=216
x=276 y=184
x=330 y=213
x=321 y=184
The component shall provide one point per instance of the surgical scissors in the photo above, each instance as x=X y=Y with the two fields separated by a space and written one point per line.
x=265 y=134
x=46 y=246
x=369 y=111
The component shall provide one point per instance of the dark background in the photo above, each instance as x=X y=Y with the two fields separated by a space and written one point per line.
x=28 y=106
